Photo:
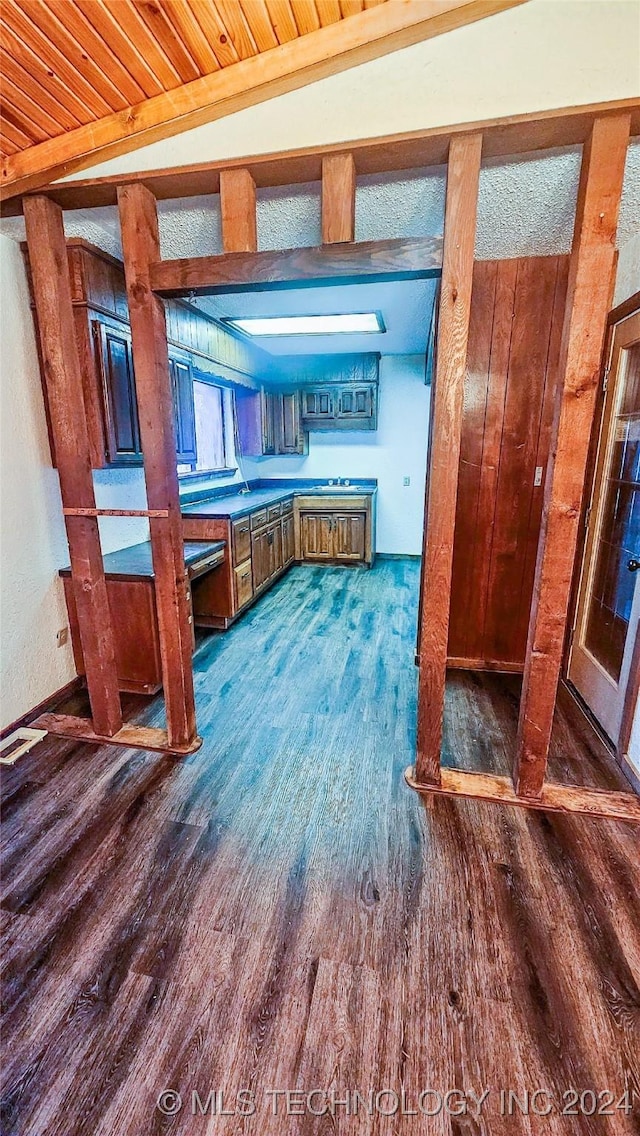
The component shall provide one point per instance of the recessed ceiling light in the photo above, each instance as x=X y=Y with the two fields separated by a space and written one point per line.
x=347 y=323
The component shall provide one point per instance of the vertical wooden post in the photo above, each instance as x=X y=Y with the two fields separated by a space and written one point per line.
x=338 y=198
x=592 y=258
x=61 y=366
x=463 y=173
x=141 y=247
x=238 y=210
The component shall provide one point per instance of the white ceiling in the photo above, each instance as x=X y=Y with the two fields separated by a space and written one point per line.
x=406 y=307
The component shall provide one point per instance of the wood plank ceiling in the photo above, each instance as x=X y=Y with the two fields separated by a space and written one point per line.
x=87 y=80
x=66 y=63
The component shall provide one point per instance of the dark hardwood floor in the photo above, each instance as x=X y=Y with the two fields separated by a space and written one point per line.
x=279 y=911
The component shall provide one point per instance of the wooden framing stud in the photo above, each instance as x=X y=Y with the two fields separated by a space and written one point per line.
x=445 y=427
x=238 y=211
x=141 y=247
x=338 y=198
x=61 y=369
x=590 y=270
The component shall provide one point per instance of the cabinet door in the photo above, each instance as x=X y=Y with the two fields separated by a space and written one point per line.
x=355 y=402
x=269 y=422
x=292 y=434
x=113 y=347
x=184 y=411
x=318 y=404
x=316 y=536
x=348 y=536
x=288 y=541
x=259 y=559
x=276 y=542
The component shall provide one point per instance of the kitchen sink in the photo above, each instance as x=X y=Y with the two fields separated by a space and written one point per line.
x=339 y=488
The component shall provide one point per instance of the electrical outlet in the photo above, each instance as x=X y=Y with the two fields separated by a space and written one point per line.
x=406 y=481
x=62 y=636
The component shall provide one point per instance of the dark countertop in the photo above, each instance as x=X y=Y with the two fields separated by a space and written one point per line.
x=134 y=563
x=239 y=504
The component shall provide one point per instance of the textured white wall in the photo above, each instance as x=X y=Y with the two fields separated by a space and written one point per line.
x=544 y=54
x=33 y=543
x=398 y=448
x=32 y=537
x=628 y=274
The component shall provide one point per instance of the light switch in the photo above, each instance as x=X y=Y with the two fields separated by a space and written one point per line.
x=406 y=481
x=538 y=475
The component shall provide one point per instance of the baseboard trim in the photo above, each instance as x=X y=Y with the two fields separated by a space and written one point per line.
x=458 y=664
x=46 y=706
x=398 y=556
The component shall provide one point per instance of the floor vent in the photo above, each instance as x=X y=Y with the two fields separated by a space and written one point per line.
x=20 y=741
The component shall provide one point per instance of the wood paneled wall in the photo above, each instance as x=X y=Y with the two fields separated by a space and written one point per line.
x=517 y=308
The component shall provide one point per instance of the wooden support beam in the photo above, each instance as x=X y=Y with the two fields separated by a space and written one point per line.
x=141 y=246
x=407 y=258
x=61 y=368
x=445 y=428
x=238 y=209
x=130 y=735
x=554 y=798
x=338 y=198
x=501 y=137
x=590 y=269
x=316 y=55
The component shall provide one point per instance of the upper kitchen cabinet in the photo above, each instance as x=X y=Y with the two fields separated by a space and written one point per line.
x=338 y=392
x=183 y=407
x=103 y=337
x=270 y=422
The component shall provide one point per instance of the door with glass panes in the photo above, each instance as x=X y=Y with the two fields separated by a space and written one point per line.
x=609 y=602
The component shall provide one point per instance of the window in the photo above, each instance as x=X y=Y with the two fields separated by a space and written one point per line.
x=208 y=401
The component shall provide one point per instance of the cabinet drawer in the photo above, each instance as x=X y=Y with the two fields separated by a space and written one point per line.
x=243 y=583
x=259 y=519
x=287 y=507
x=241 y=538
x=273 y=512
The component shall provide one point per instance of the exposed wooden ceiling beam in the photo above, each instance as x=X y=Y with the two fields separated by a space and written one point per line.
x=516 y=134
x=324 y=52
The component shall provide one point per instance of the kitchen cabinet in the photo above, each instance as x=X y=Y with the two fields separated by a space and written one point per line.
x=183 y=408
x=288 y=540
x=115 y=366
x=331 y=527
x=101 y=320
x=333 y=536
x=316 y=536
x=292 y=437
x=270 y=422
x=349 y=536
x=344 y=406
x=317 y=406
x=338 y=528
x=338 y=392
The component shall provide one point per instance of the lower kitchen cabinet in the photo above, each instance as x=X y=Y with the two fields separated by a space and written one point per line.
x=263 y=544
x=339 y=529
x=288 y=540
x=349 y=536
x=316 y=536
x=334 y=536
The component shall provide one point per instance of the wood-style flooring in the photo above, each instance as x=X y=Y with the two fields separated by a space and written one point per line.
x=280 y=912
